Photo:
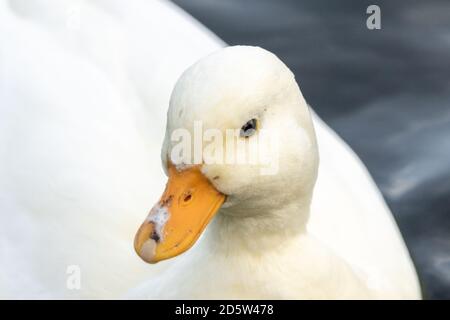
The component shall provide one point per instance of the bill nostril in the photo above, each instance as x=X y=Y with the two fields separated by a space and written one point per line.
x=186 y=197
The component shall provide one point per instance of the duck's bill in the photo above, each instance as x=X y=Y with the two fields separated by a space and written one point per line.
x=178 y=219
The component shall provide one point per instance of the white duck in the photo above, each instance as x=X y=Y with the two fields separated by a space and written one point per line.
x=83 y=90
x=258 y=244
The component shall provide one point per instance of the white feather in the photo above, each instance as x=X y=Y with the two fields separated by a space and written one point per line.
x=84 y=88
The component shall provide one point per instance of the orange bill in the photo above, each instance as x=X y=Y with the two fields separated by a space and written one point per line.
x=178 y=219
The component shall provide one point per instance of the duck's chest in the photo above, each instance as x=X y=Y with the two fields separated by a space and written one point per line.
x=294 y=274
x=235 y=277
x=229 y=278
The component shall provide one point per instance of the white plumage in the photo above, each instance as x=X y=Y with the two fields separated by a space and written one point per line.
x=84 y=88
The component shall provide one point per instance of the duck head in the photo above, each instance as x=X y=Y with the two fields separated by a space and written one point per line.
x=239 y=141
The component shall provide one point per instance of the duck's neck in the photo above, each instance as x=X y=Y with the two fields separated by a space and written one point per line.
x=262 y=230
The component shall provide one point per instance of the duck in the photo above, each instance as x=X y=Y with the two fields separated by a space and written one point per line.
x=307 y=230
x=84 y=92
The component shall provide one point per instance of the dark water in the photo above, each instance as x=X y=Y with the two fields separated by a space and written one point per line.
x=386 y=92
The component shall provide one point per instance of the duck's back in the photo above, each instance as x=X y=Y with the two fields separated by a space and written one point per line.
x=350 y=216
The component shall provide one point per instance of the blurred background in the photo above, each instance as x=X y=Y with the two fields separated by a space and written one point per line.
x=386 y=92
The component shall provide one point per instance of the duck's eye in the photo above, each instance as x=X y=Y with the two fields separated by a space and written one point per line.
x=249 y=128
